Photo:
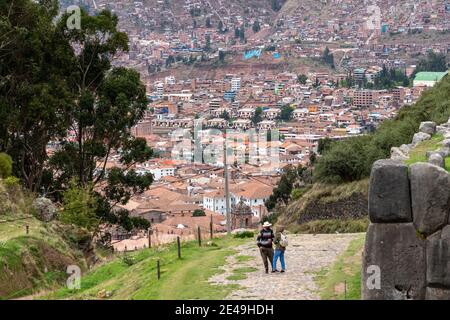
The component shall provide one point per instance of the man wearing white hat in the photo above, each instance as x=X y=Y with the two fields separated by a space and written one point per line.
x=264 y=242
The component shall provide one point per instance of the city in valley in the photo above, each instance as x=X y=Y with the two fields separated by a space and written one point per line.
x=159 y=149
x=307 y=70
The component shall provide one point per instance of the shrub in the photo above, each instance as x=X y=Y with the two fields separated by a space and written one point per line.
x=5 y=165
x=11 y=183
x=198 y=213
x=244 y=234
x=129 y=261
x=297 y=193
x=79 y=207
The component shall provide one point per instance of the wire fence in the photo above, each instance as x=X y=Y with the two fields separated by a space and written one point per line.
x=16 y=219
x=156 y=238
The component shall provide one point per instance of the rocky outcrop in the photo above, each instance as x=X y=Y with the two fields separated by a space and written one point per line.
x=407 y=256
x=45 y=209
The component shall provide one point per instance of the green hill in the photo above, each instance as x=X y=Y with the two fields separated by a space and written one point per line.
x=37 y=260
x=329 y=208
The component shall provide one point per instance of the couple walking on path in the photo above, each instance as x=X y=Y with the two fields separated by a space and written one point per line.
x=265 y=241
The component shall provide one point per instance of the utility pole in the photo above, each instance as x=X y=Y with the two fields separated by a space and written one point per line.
x=227 y=193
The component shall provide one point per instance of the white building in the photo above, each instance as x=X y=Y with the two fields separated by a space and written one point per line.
x=235 y=84
x=159 y=88
x=169 y=80
x=254 y=194
x=162 y=171
x=215 y=201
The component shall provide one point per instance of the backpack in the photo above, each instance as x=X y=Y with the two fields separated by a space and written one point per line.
x=284 y=241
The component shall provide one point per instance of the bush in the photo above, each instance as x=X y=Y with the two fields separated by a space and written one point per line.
x=12 y=183
x=129 y=261
x=348 y=160
x=297 y=193
x=5 y=165
x=79 y=207
x=244 y=234
x=198 y=213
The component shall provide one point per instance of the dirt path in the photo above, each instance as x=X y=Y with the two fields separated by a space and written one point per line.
x=305 y=255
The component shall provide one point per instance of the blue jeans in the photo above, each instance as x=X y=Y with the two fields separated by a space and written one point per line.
x=278 y=254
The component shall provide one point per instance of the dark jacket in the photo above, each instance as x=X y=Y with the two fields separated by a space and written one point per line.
x=265 y=238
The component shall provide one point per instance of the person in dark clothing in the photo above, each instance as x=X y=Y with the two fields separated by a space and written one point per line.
x=265 y=244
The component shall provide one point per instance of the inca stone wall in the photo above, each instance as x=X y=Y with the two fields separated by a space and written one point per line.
x=407 y=250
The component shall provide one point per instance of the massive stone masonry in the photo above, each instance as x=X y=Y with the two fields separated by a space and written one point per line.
x=408 y=241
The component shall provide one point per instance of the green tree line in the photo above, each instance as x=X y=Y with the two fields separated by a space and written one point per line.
x=56 y=80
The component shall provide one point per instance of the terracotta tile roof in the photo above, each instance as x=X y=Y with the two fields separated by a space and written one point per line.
x=253 y=190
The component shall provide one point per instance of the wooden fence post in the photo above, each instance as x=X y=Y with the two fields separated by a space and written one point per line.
x=149 y=238
x=345 y=289
x=199 y=236
x=158 y=269
x=211 y=227
x=179 y=247
x=27 y=229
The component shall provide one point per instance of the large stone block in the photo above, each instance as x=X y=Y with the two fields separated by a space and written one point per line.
x=442 y=129
x=446 y=143
x=428 y=127
x=399 y=253
x=405 y=148
x=437 y=294
x=419 y=137
x=437 y=160
x=445 y=232
x=438 y=262
x=430 y=193
x=389 y=192
x=440 y=152
x=398 y=154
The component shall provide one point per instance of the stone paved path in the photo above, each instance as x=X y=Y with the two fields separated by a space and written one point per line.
x=305 y=255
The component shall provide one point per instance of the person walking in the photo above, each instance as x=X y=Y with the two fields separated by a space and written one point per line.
x=265 y=244
x=280 y=247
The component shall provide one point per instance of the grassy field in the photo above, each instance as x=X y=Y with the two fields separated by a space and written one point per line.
x=135 y=277
x=343 y=279
x=332 y=226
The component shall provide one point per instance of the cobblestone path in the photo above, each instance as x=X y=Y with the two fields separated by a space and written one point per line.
x=305 y=255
